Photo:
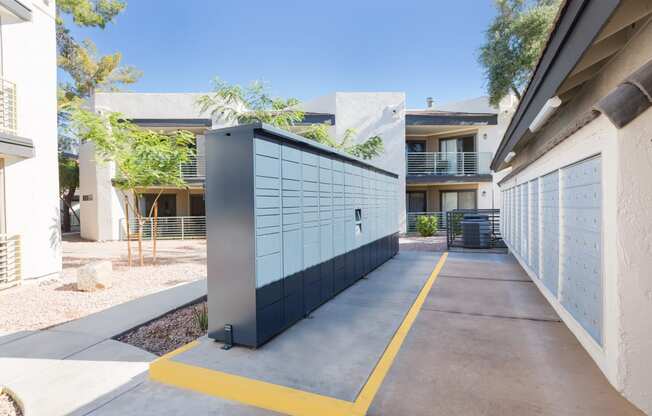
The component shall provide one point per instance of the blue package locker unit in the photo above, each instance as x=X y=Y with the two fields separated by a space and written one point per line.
x=291 y=223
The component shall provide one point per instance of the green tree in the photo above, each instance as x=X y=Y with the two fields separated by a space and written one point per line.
x=370 y=148
x=236 y=104
x=88 y=72
x=513 y=44
x=143 y=158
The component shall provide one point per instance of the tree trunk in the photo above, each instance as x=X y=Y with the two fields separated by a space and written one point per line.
x=67 y=201
x=140 y=240
x=65 y=226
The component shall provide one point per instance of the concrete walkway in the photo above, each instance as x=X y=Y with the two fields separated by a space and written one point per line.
x=484 y=343
x=487 y=343
x=76 y=367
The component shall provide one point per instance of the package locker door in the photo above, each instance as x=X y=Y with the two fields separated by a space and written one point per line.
x=292 y=234
x=350 y=192
x=535 y=249
x=525 y=218
x=581 y=290
x=311 y=238
x=550 y=231
x=326 y=226
x=269 y=276
x=339 y=227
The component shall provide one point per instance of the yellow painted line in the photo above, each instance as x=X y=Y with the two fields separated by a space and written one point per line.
x=282 y=399
x=368 y=392
x=252 y=392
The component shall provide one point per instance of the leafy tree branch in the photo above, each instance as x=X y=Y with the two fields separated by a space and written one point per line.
x=513 y=44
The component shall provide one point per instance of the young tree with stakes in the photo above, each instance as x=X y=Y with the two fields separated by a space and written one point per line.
x=143 y=158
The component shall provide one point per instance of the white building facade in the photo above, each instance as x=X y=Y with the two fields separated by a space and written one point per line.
x=457 y=145
x=29 y=211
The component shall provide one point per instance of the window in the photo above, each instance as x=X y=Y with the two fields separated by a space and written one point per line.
x=451 y=200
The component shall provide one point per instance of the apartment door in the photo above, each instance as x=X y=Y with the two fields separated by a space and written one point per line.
x=451 y=200
x=197 y=206
x=416 y=201
x=453 y=150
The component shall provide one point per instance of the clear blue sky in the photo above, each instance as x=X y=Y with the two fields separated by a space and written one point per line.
x=304 y=49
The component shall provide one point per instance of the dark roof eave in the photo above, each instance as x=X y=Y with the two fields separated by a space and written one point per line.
x=450 y=119
x=172 y=122
x=578 y=25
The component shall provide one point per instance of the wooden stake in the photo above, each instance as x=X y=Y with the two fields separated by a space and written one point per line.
x=128 y=230
x=140 y=241
x=155 y=232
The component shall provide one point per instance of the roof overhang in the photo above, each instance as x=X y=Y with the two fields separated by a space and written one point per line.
x=317 y=118
x=580 y=24
x=172 y=122
x=14 y=11
x=441 y=118
x=11 y=145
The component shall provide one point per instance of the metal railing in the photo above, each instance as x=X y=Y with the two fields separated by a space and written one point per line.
x=195 y=169
x=167 y=228
x=448 y=163
x=486 y=234
x=10 y=260
x=412 y=220
x=8 y=117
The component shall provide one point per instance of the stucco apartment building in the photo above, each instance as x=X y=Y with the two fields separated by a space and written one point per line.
x=578 y=187
x=29 y=203
x=441 y=154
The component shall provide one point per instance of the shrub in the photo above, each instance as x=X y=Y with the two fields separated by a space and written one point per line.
x=456 y=223
x=427 y=225
x=200 y=313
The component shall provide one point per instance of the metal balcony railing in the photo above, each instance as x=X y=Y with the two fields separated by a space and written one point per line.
x=8 y=123
x=412 y=220
x=10 y=260
x=195 y=169
x=448 y=163
x=167 y=228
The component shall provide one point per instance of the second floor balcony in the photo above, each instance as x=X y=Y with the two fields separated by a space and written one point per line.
x=194 y=170
x=8 y=123
x=448 y=163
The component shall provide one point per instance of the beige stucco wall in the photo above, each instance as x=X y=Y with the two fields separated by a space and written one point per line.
x=626 y=222
x=633 y=248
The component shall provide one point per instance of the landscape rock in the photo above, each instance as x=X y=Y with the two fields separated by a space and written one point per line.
x=95 y=275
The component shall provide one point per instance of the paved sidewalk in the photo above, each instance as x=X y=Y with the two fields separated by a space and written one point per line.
x=60 y=371
x=487 y=343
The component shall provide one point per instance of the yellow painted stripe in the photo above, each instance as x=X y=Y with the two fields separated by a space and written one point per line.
x=372 y=386
x=286 y=400
x=252 y=392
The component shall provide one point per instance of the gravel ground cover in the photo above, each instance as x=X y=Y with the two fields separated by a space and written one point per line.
x=8 y=407
x=46 y=303
x=167 y=333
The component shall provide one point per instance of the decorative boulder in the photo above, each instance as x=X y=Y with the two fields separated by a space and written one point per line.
x=94 y=276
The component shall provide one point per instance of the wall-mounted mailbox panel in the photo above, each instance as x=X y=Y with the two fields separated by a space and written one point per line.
x=290 y=224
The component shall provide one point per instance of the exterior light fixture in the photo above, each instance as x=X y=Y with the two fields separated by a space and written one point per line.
x=509 y=157
x=548 y=109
